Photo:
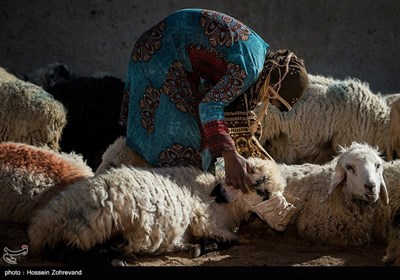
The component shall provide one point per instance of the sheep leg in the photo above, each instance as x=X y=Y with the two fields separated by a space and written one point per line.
x=392 y=256
x=112 y=252
x=206 y=245
x=105 y=254
x=108 y=254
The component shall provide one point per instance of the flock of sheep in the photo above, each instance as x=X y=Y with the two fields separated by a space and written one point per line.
x=336 y=176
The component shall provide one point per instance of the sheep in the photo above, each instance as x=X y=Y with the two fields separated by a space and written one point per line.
x=338 y=201
x=392 y=255
x=331 y=113
x=390 y=98
x=30 y=115
x=310 y=183
x=93 y=105
x=49 y=75
x=6 y=76
x=329 y=215
x=343 y=209
x=118 y=154
x=30 y=176
x=156 y=210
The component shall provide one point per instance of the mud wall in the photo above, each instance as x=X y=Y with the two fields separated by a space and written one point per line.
x=338 y=38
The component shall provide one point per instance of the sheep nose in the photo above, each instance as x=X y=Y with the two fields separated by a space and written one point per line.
x=369 y=187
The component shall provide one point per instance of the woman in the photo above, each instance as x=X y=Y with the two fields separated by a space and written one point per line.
x=193 y=82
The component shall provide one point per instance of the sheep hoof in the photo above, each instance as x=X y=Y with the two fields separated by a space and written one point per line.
x=195 y=250
x=131 y=258
x=118 y=262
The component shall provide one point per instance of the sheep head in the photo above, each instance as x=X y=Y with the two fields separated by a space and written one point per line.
x=51 y=74
x=360 y=169
x=266 y=178
x=266 y=198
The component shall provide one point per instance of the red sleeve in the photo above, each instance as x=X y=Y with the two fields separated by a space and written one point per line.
x=217 y=138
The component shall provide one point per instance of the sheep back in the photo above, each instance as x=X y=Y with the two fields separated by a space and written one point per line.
x=119 y=153
x=30 y=115
x=152 y=209
x=5 y=76
x=156 y=210
x=331 y=113
x=31 y=176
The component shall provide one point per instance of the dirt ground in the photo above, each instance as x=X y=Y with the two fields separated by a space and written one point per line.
x=258 y=247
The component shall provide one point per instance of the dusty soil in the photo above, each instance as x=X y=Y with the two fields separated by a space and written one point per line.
x=258 y=247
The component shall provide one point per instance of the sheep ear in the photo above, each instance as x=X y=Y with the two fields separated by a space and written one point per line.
x=218 y=189
x=220 y=194
x=384 y=193
x=338 y=177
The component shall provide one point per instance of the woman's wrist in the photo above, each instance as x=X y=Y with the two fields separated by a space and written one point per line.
x=229 y=154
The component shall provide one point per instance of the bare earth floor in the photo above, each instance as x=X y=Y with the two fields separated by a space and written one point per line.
x=258 y=246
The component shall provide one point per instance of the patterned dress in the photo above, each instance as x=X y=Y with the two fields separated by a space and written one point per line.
x=183 y=75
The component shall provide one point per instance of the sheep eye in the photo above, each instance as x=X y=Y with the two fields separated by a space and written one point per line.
x=349 y=168
x=263 y=193
x=378 y=165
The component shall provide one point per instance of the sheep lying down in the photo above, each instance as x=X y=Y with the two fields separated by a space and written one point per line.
x=338 y=203
x=352 y=200
x=155 y=210
x=30 y=176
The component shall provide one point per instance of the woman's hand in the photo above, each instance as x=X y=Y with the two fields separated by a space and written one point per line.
x=237 y=171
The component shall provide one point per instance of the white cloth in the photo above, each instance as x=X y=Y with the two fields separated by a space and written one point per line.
x=276 y=211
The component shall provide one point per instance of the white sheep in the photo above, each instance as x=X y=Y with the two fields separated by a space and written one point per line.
x=343 y=209
x=30 y=176
x=390 y=98
x=30 y=115
x=156 y=210
x=329 y=214
x=332 y=113
x=119 y=153
x=338 y=201
x=6 y=76
x=317 y=221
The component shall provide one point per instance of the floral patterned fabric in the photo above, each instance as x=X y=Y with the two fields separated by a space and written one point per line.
x=182 y=75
